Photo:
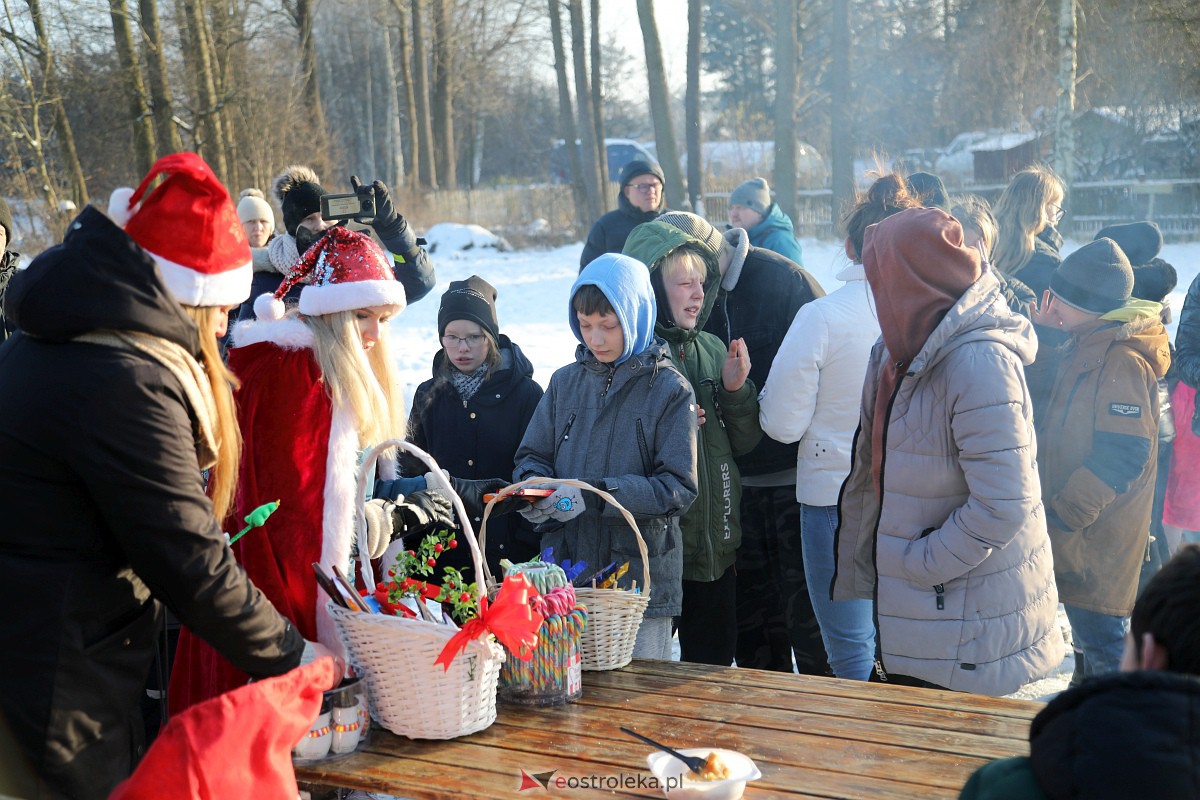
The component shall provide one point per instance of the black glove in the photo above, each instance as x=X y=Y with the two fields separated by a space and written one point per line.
x=391 y=227
x=422 y=512
x=472 y=493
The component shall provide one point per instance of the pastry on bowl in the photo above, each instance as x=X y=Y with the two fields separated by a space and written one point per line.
x=723 y=776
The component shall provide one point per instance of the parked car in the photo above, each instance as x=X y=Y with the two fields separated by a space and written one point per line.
x=737 y=161
x=620 y=153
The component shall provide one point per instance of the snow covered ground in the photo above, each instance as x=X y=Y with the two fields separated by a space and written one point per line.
x=532 y=293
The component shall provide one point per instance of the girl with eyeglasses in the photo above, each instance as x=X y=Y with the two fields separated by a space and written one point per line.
x=470 y=416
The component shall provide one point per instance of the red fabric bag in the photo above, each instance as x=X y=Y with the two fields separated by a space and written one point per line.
x=238 y=744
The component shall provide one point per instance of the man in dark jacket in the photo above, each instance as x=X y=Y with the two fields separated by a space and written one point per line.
x=640 y=200
x=9 y=259
x=760 y=293
x=105 y=516
x=1131 y=734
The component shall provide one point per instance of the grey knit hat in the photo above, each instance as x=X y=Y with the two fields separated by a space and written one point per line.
x=754 y=194
x=696 y=227
x=1095 y=278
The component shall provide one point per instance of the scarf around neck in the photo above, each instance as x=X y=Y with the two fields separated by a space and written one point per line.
x=467 y=385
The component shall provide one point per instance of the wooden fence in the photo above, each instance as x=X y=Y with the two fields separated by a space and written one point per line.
x=1174 y=205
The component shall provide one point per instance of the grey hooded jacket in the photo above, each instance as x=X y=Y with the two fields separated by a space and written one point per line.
x=632 y=431
x=956 y=556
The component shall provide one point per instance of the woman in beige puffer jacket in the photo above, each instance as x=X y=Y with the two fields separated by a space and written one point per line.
x=941 y=516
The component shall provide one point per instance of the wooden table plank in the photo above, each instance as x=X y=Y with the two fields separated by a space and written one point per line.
x=811 y=737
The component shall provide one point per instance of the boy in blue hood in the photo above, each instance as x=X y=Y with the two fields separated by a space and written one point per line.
x=623 y=419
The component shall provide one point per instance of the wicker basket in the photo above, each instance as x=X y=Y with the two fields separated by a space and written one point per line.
x=409 y=694
x=614 y=617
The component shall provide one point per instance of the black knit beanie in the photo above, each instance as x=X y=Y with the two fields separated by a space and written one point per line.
x=6 y=223
x=1141 y=241
x=929 y=189
x=474 y=300
x=1095 y=278
x=302 y=200
x=640 y=167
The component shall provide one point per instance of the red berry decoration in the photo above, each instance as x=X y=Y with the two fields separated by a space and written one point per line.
x=453 y=543
x=431 y=562
x=464 y=598
x=437 y=548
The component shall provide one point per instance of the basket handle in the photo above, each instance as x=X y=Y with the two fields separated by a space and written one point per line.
x=439 y=482
x=487 y=512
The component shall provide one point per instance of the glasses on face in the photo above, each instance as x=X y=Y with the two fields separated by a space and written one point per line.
x=474 y=340
x=646 y=188
x=1059 y=213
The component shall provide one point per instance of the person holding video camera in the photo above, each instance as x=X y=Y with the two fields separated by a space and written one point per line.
x=299 y=191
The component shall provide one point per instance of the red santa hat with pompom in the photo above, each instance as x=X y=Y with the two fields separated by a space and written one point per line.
x=189 y=226
x=344 y=270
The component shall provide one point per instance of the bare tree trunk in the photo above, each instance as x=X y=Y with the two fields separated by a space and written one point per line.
x=394 y=165
x=566 y=120
x=409 y=153
x=62 y=125
x=695 y=135
x=302 y=12
x=210 y=145
x=1064 y=134
x=785 y=106
x=135 y=90
x=598 y=104
x=660 y=105
x=223 y=32
x=587 y=128
x=166 y=134
x=842 y=146
x=426 y=169
x=443 y=112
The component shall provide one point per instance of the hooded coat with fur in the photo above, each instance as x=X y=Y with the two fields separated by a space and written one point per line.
x=303 y=451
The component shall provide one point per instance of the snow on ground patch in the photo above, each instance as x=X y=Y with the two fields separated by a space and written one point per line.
x=452 y=238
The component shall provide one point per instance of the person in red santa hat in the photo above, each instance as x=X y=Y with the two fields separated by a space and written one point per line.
x=112 y=401
x=317 y=387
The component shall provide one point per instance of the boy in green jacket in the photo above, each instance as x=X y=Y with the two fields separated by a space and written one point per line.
x=685 y=276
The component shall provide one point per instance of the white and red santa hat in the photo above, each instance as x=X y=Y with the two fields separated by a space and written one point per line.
x=190 y=227
x=343 y=270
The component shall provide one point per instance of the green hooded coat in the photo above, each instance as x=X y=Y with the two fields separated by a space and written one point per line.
x=711 y=528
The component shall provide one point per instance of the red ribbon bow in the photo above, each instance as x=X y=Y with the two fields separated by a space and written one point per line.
x=510 y=619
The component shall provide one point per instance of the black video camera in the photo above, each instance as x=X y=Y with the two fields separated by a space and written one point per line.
x=357 y=205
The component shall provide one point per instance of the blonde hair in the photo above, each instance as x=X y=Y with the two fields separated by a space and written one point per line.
x=972 y=212
x=222 y=478
x=686 y=258
x=1019 y=215
x=361 y=381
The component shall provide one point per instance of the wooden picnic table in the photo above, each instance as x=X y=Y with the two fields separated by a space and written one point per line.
x=810 y=737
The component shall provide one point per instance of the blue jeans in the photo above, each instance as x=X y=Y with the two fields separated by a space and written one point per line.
x=1100 y=638
x=847 y=626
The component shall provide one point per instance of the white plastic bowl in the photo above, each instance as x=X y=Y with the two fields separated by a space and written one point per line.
x=669 y=771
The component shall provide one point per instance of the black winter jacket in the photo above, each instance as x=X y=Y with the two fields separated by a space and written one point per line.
x=478 y=439
x=760 y=294
x=609 y=233
x=1120 y=736
x=105 y=517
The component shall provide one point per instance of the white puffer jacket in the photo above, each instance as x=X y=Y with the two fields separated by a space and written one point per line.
x=812 y=392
